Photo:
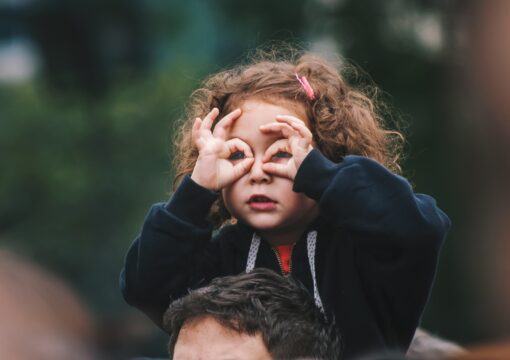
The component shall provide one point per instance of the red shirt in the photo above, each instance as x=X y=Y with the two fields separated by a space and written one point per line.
x=284 y=253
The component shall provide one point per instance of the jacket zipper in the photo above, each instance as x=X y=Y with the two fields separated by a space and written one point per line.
x=280 y=261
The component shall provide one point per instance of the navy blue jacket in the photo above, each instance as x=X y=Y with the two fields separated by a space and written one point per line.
x=377 y=249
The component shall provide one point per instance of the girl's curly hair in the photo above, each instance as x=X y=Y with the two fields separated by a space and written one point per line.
x=343 y=120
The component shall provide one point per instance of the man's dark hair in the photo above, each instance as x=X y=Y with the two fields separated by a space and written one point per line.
x=278 y=308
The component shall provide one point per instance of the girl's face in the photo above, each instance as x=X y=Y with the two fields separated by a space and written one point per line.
x=286 y=210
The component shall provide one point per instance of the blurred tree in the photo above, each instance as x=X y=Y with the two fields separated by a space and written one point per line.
x=83 y=45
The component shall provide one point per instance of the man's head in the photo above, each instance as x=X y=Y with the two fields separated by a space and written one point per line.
x=258 y=315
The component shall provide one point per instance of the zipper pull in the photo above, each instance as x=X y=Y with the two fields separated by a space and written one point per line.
x=284 y=256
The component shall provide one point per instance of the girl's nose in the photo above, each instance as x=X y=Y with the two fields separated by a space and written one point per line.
x=257 y=175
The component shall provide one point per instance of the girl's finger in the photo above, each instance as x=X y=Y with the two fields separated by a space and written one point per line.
x=274 y=148
x=289 y=119
x=242 y=167
x=303 y=131
x=236 y=144
x=281 y=170
x=194 y=130
x=296 y=124
x=222 y=127
x=209 y=119
x=284 y=129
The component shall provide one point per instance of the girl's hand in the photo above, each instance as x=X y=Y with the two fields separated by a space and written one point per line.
x=284 y=157
x=220 y=161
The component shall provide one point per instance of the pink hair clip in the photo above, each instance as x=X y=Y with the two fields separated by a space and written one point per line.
x=306 y=86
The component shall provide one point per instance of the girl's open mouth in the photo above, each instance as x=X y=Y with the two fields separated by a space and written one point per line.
x=261 y=202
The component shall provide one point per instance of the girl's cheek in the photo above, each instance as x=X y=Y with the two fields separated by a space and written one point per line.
x=280 y=160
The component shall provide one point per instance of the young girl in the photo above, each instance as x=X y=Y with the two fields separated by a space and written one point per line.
x=297 y=167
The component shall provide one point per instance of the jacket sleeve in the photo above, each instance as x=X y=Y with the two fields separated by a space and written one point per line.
x=397 y=235
x=172 y=252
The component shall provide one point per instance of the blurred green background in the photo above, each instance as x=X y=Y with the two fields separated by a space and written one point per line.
x=89 y=92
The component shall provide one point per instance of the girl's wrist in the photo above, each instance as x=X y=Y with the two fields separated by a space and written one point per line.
x=197 y=179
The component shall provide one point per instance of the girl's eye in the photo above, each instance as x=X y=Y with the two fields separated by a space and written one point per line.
x=282 y=155
x=236 y=155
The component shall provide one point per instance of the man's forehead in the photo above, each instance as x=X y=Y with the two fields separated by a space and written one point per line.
x=206 y=338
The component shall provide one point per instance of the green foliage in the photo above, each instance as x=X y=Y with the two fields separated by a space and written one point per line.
x=77 y=176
